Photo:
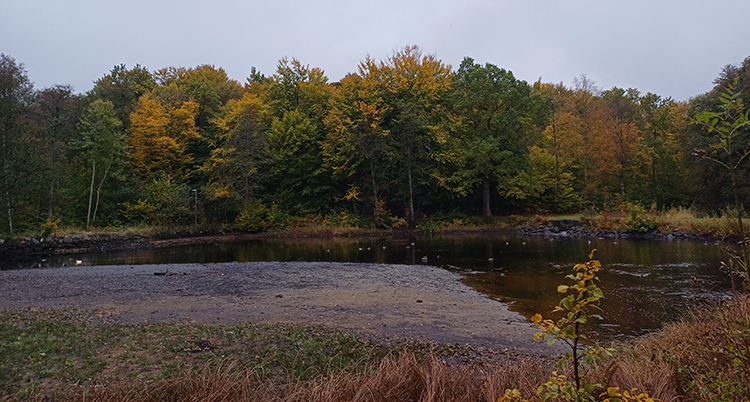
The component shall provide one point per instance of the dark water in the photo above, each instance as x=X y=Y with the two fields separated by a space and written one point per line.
x=646 y=283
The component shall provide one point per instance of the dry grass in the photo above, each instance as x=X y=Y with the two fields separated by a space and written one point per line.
x=404 y=379
x=705 y=358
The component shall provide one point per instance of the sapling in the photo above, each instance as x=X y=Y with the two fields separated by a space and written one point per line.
x=583 y=297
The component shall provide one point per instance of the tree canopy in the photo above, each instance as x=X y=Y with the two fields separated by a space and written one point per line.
x=392 y=143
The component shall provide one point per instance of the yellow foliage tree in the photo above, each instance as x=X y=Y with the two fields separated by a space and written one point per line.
x=159 y=135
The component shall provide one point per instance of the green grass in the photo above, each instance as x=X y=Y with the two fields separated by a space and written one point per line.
x=43 y=352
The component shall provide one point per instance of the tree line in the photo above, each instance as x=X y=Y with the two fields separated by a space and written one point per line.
x=398 y=140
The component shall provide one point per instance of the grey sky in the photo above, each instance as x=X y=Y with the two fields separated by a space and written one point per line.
x=670 y=47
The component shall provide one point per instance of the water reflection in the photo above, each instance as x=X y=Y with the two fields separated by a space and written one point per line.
x=645 y=282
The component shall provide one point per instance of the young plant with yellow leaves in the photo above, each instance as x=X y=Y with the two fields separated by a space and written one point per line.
x=583 y=296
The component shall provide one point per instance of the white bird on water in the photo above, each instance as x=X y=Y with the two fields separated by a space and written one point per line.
x=79 y=262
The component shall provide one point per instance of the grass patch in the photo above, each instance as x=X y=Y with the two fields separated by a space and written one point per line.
x=76 y=355
x=46 y=352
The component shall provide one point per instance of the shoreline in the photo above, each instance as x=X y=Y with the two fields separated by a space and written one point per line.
x=389 y=301
x=16 y=249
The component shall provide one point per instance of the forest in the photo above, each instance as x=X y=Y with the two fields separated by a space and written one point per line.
x=392 y=144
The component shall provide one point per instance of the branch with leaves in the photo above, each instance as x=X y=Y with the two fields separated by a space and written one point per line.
x=728 y=150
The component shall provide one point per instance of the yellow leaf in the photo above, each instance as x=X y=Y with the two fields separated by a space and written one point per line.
x=562 y=288
x=537 y=318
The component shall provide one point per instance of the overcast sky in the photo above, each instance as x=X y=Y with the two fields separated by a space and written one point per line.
x=674 y=48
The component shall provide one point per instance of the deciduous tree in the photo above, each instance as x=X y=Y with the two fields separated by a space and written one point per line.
x=495 y=115
x=102 y=147
x=158 y=138
x=16 y=92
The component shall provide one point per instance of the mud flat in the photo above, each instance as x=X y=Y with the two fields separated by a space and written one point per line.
x=414 y=301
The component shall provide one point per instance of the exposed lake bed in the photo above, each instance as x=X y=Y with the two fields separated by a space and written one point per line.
x=646 y=282
x=389 y=300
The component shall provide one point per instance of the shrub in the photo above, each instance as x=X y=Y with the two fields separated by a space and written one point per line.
x=254 y=217
x=640 y=220
x=50 y=227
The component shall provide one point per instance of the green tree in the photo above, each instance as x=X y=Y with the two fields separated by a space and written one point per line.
x=710 y=186
x=356 y=147
x=409 y=92
x=658 y=154
x=495 y=118
x=297 y=100
x=16 y=92
x=237 y=165
x=165 y=203
x=56 y=113
x=123 y=88
x=294 y=146
x=103 y=147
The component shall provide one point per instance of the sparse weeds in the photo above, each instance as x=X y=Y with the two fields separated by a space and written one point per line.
x=49 y=350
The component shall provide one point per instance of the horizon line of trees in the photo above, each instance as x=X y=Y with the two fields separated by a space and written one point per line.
x=396 y=141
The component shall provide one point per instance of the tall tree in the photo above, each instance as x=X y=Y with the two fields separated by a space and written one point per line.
x=658 y=154
x=555 y=159
x=356 y=146
x=103 y=147
x=158 y=138
x=56 y=113
x=620 y=123
x=409 y=94
x=210 y=88
x=495 y=115
x=297 y=98
x=730 y=146
x=15 y=97
x=123 y=88
x=236 y=165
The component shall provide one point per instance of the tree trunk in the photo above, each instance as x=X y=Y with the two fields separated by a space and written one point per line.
x=99 y=188
x=91 y=194
x=412 y=218
x=6 y=180
x=557 y=157
x=51 y=197
x=486 y=207
x=10 y=211
x=653 y=184
x=375 y=198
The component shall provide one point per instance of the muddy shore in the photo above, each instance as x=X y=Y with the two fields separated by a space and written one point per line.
x=386 y=300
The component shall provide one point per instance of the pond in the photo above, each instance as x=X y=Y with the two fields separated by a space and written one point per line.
x=645 y=282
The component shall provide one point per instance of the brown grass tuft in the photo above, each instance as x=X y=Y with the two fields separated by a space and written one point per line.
x=404 y=379
x=703 y=358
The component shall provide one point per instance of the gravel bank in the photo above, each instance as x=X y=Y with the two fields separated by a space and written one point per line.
x=387 y=300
